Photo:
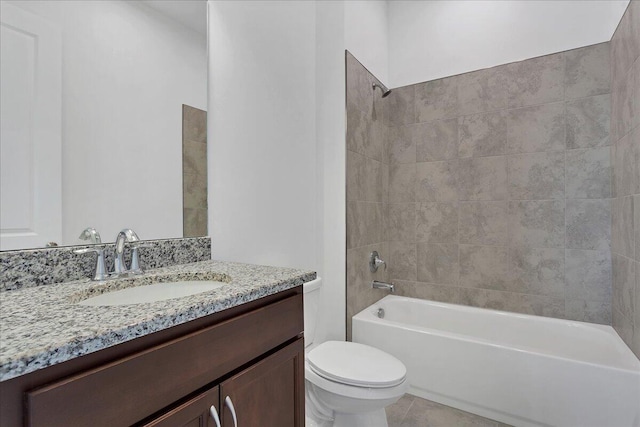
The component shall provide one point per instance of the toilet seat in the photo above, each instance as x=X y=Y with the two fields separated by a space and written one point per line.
x=356 y=365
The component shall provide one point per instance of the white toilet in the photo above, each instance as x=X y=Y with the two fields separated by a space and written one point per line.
x=347 y=384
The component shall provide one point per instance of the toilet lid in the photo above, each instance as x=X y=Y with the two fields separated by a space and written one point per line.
x=356 y=364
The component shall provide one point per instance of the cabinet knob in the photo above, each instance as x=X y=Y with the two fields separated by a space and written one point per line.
x=214 y=415
x=229 y=403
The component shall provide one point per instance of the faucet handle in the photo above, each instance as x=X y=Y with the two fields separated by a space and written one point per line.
x=375 y=262
x=101 y=267
x=135 y=256
x=91 y=234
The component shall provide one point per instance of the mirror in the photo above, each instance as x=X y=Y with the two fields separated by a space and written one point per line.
x=103 y=120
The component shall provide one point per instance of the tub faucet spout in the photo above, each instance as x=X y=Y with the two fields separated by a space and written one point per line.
x=383 y=285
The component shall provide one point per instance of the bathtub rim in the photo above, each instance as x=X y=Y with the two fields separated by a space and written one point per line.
x=367 y=315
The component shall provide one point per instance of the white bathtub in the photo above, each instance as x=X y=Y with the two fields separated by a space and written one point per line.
x=519 y=369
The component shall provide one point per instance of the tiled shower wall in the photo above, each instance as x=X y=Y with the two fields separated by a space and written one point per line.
x=499 y=188
x=367 y=189
x=625 y=150
x=194 y=172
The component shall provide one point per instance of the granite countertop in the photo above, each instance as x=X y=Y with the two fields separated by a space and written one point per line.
x=43 y=326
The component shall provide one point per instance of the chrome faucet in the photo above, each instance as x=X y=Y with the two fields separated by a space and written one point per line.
x=125 y=236
x=375 y=262
x=100 y=272
x=382 y=285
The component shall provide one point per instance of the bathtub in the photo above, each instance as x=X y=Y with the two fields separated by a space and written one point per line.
x=515 y=368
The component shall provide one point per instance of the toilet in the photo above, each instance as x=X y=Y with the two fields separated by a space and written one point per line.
x=346 y=384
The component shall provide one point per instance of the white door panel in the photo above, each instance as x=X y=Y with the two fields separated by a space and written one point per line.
x=30 y=130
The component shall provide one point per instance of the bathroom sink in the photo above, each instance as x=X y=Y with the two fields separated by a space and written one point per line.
x=152 y=293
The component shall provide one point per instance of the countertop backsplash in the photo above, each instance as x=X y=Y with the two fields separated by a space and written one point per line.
x=45 y=266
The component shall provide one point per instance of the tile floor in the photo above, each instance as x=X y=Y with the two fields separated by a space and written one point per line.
x=411 y=411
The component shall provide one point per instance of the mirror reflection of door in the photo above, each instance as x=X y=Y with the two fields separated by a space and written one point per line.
x=124 y=71
x=30 y=129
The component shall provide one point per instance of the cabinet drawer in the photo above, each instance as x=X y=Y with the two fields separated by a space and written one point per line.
x=132 y=388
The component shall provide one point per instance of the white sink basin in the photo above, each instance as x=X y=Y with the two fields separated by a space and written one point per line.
x=152 y=293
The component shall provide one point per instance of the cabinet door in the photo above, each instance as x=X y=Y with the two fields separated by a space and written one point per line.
x=193 y=413
x=269 y=393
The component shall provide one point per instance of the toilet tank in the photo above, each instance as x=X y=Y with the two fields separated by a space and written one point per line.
x=311 y=296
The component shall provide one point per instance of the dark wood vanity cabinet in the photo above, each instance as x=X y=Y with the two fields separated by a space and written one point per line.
x=265 y=394
x=252 y=354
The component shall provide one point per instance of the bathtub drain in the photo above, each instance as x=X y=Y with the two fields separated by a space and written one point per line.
x=381 y=313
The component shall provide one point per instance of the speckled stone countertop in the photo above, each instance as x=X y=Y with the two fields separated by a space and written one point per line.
x=43 y=326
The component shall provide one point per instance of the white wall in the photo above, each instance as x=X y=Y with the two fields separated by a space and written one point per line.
x=277 y=134
x=262 y=135
x=126 y=72
x=434 y=39
x=366 y=35
x=331 y=161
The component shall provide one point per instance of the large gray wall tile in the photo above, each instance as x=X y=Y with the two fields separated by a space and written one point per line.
x=588 y=122
x=539 y=305
x=402 y=183
x=538 y=128
x=437 y=181
x=402 y=261
x=587 y=71
x=636 y=226
x=438 y=263
x=437 y=222
x=538 y=271
x=376 y=182
x=402 y=222
x=358 y=130
x=441 y=293
x=636 y=320
x=364 y=223
x=483 y=223
x=194 y=122
x=537 y=223
x=482 y=91
x=399 y=106
x=622 y=47
x=484 y=267
x=194 y=191
x=436 y=140
x=195 y=222
x=194 y=158
x=622 y=325
x=588 y=224
x=623 y=226
x=356 y=176
x=359 y=90
x=536 y=81
x=535 y=176
x=483 y=178
x=402 y=144
x=624 y=285
x=437 y=99
x=588 y=173
x=588 y=311
x=622 y=106
x=588 y=275
x=483 y=134
x=635 y=71
x=627 y=167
